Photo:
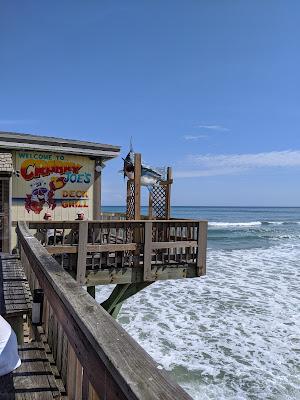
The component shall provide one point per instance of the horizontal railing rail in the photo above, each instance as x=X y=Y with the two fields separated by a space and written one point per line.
x=95 y=356
x=156 y=248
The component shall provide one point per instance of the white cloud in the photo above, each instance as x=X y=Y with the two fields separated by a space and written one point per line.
x=194 y=137
x=228 y=164
x=213 y=127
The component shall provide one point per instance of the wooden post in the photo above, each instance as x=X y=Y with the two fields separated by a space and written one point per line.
x=92 y=291
x=137 y=186
x=202 y=246
x=148 y=251
x=81 y=257
x=168 y=193
x=97 y=190
x=150 y=208
x=121 y=293
x=96 y=207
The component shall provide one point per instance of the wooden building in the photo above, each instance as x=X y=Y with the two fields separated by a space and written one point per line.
x=40 y=174
x=76 y=350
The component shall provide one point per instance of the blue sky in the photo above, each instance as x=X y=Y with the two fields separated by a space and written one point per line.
x=210 y=87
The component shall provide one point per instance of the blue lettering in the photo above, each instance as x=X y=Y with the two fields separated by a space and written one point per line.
x=79 y=178
x=87 y=178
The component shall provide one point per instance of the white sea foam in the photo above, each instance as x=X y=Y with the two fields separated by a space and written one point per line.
x=234 y=334
x=274 y=222
x=234 y=224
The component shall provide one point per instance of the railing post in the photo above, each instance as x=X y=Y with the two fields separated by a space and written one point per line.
x=202 y=245
x=148 y=251
x=168 y=193
x=137 y=186
x=81 y=256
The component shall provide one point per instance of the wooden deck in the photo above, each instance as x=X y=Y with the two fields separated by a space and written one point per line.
x=126 y=251
x=79 y=351
x=94 y=355
x=15 y=296
x=33 y=380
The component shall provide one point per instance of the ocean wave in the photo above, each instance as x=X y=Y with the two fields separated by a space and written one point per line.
x=215 y=224
x=234 y=224
x=232 y=335
x=274 y=223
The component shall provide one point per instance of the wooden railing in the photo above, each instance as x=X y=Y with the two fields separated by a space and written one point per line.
x=95 y=356
x=120 y=251
x=107 y=216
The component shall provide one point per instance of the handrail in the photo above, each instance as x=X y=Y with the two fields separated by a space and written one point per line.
x=111 y=360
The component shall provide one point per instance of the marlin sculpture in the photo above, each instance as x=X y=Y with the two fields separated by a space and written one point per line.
x=149 y=175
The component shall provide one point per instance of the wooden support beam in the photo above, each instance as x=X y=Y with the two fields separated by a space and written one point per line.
x=92 y=248
x=97 y=190
x=115 y=312
x=202 y=246
x=148 y=252
x=92 y=291
x=168 y=193
x=121 y=293
x=174 y=245
x=104 y=248
x=137 y=185
x=81 y=257
x=136 y=275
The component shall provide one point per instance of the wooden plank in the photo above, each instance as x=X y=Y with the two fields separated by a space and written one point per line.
x=135 y=275
x=174 y=245
x=148 y=252
x=71 y=373
x=85 y=389
x=34 y=378
x=53 y=224
x=202 y=247
x=81 y=258
x=78 y=380
x=62 y=249
x=59 y=347
x=117 y=369
x=15 y=297
x=102 y=248
x=92 y=248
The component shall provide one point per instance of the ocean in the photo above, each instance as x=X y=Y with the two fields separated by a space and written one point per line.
x=235 y=333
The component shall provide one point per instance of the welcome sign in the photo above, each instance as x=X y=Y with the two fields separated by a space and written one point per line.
x=45 y=180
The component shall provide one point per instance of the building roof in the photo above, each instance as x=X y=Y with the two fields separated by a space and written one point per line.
x=23 y=141
x=6 y=164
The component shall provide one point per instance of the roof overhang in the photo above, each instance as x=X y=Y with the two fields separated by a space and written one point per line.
x=22 y=141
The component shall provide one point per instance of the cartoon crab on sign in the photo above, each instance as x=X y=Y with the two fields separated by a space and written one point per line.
x=42 y=195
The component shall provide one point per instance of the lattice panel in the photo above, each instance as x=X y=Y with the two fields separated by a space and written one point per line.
x=159 y=202
x=130 y=200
